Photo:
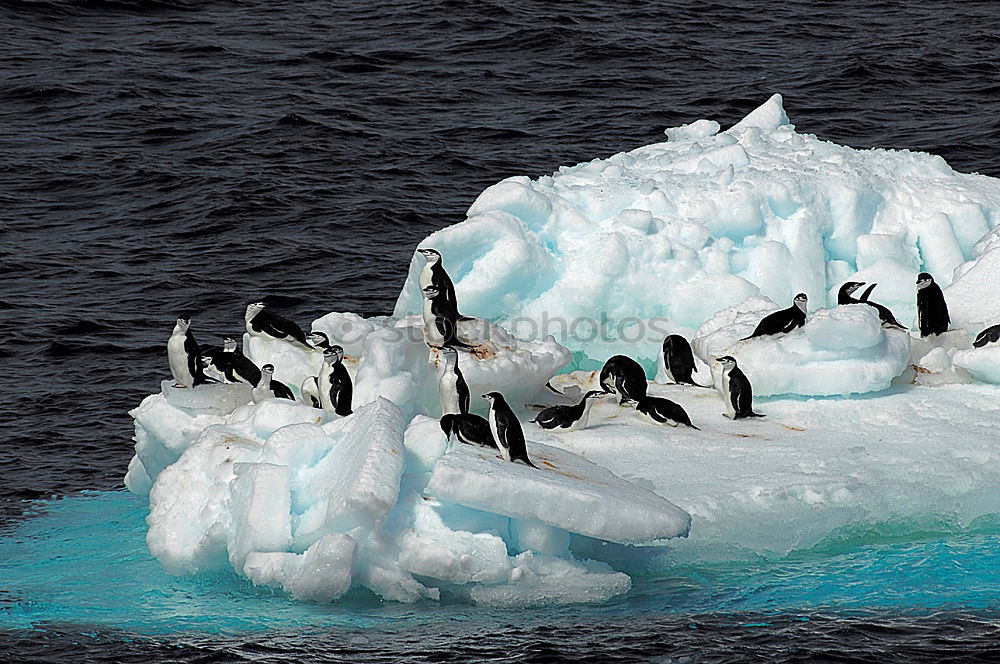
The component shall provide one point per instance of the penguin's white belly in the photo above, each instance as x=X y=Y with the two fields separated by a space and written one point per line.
x=727 y=396
x=310 y=391
x=178 y=360
x=323 y=385
x=260 y=393
x=501 y=444
x=431 y=333
x=448 y=394
x=425 y=277
x=582 y=422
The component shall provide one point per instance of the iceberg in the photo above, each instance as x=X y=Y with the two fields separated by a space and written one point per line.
x=701 y=235
x=656 y=240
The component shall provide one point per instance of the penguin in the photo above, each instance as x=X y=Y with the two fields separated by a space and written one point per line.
x=736 y=390
x=435 y=275
x=784 y=321
x=469 y=429
x=622 y=376
x=845 y=296
x=268 y=388
x=846 y=292
x=988 y=336
x=560 y=419
x=932 y=310
x=506 y=430
x=453 y=392
x=184 y=355
x=662 y=411
x=263 y=323
x=334 y=383
x=318 y=340
x=310 y=392
x=678 y=360
x=440 y=320
x=234 y=365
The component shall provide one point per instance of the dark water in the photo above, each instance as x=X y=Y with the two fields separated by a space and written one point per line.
x=159 y=156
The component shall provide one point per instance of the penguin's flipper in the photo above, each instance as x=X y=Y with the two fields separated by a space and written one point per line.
x=866 y=293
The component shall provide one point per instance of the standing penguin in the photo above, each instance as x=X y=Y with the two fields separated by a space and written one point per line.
x=506 y=429
x=736 y=390
x=453 y=392
x=435 y=275
x=932 y=310
x=263 y=323
x=561 y=419
x=845 y=296
x=662 y=411
x=624 y=377
x=784 y=321
x=184 y=355
x=268 y=388
x=678 y=360
x=440 y=320
x=469 y=429
x=334 y=383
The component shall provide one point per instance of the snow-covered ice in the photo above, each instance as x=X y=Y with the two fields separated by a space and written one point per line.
x=668 y=234
x=701 y=235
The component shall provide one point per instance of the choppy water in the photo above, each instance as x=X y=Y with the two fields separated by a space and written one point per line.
x=163 y=155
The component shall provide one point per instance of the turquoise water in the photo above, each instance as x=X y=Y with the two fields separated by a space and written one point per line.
x=83 y=560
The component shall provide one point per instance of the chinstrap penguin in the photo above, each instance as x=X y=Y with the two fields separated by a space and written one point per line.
x=434 y=274
x=845 y=296
x=440 y=320
x=784 y=321
x=736 y=390
x=234 y=365
x=932 y=310
x=184 y=355
x=561 y=419
x=268 y=388
x=623 y=377
x=334 y=383
x=453 y=392
x=262 y=323
x=469 y=429
x=318 y=340
x=662 y=411
x=506 y=429
x=988 y=336
x=678 y=360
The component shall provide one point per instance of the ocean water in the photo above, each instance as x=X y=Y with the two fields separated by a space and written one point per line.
x=159 y=156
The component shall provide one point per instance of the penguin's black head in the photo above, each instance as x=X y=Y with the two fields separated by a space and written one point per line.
x=447 y=351
x=267 y=368
x=490 y=396
x=430 y=292
x=851 y=286
x=727 y=361
x=318 y=338
x=924 y=280
x=429 y=254
x=229 y=343
x=594 y=393
x=185 y=318
x=801 y=297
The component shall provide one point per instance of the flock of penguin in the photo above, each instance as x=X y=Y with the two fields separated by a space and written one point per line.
x=621 y=375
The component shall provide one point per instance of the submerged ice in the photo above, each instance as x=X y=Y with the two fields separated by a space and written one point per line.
x=702 y=235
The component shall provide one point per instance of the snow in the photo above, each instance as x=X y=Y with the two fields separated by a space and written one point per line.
x=701 y=235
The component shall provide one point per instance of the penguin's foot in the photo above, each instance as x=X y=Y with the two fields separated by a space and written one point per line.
x=620 y=409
